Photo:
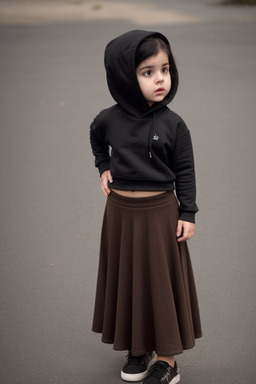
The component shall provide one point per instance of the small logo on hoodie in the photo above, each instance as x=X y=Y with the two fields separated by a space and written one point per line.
x=155 y=137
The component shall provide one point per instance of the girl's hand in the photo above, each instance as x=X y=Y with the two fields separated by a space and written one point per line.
x=186 y=229
x=105 y=178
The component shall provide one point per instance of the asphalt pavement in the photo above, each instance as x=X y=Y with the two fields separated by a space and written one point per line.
x=52 y=84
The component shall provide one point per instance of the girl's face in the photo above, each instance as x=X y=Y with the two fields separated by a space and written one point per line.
x=154 y=77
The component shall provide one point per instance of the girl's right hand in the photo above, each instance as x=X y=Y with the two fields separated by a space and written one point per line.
x=105 y=178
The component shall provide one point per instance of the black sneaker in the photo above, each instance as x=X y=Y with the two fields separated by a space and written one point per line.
x=136 y=368
x=162 y=373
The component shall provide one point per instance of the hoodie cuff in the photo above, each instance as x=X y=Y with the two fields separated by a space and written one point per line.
x=187 y=216
x=103 y=167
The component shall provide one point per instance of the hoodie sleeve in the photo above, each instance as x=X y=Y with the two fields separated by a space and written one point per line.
x=100 y=150
x=183 y=167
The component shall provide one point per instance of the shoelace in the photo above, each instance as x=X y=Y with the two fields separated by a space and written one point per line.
x=134 y=359
x=158 y=370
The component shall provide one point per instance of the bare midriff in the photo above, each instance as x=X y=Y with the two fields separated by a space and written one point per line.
x=138 y=193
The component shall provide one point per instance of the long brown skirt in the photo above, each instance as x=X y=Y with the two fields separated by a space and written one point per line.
x=146 y=297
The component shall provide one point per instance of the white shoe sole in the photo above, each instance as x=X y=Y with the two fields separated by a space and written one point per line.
x=138 y=376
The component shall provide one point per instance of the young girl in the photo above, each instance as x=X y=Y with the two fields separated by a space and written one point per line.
x=146 y=299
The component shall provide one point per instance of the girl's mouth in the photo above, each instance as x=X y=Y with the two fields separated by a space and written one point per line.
x=159 y=91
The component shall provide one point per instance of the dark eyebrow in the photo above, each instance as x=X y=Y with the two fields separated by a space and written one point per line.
x=146 y=67
x=151 y=66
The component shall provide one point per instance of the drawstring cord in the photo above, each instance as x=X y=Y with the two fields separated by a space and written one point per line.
x=149 y=137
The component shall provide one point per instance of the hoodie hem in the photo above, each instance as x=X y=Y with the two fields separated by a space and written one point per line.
x=141 y=185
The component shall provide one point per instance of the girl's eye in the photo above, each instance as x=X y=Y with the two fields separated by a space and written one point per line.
x=165 y=70
x=148 y=73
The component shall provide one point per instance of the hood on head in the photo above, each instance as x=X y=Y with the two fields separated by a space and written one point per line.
x=121 y=73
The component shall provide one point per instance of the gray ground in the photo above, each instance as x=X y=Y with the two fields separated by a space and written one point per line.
x=52 y=84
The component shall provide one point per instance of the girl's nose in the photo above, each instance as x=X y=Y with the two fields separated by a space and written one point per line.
x=159 y=78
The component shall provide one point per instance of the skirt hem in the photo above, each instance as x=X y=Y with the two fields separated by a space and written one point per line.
x=149 y=349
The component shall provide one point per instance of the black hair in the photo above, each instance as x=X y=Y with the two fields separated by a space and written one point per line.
x=151 y=47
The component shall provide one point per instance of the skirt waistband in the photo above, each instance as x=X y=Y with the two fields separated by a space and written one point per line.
x=141 y=202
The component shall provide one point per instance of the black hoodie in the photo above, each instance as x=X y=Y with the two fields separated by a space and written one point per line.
x=145 y=148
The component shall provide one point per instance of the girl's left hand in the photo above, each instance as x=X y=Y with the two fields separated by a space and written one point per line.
x=185 y=228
